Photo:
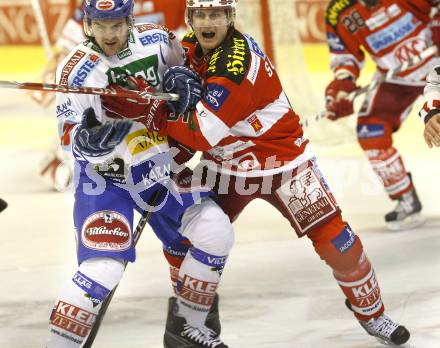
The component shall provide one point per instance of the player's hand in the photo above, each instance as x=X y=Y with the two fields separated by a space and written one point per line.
x=94 y=139
x=434 y=25
x=187 y=84
x=432 y=131
x=150 y=112
x=337 y=101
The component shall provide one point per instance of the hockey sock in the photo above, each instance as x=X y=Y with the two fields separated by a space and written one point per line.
x=388 y=165
x=79 y=302
x=361 y=289
x=199 y=276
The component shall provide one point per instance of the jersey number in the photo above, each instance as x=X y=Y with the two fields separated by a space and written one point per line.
x=353 y=21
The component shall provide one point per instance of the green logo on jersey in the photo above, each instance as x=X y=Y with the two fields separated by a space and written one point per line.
x=125 y=53
x=146 y=68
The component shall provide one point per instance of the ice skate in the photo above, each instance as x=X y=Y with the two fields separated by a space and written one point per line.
x=180 y=334
x=384 y=329
x=406 y=215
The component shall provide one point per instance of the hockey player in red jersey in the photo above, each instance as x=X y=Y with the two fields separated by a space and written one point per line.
x=392 y=32
x=253 y=147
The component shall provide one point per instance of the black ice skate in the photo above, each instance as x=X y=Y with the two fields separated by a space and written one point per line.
x=385 y=330
x=179 y=334
x=406 y=215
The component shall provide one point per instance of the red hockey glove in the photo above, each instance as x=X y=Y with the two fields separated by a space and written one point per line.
x=150 y=112
x=336 y=98
x=434 y=25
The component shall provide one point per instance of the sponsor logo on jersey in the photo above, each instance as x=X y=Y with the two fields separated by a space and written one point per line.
x=154 y=173
x=65 y=109
x=69 y=66
x=72 y=319
x=409 y=49
x=216 y=95
x=113 y=170
x=235 y=64
x=106 y=230
x=335 y=43
x=345 y=240
x=365 y=131
x=125 y=53
x=84 y=70
x=255 y=124
x=334 y=10
x=147 y=68
x=142 y=140
x=212 y=65
x=105 y=5
x=254 y=47
x=307 y=201
x=392 y=33
x=154 y=39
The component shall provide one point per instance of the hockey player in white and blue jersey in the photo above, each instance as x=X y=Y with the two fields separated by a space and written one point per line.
x=119 y=167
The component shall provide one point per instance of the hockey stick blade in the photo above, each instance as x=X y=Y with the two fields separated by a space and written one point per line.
x=104 y=306
x=50 y=87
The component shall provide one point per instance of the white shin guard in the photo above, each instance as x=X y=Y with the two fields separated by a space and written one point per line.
x=211 y=235
x=79 y=302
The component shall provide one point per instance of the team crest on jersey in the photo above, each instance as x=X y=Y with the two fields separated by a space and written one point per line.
x=255 y=124
x=105 y=5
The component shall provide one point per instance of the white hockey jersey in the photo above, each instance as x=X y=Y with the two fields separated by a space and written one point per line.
x=151 y=50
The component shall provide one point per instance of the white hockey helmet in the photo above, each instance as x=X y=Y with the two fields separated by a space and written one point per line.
x=195 y=5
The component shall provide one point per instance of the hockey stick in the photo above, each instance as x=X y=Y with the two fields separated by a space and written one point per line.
x=50 y=87
x=42 y=29
x=136 y=235
x=409 y=64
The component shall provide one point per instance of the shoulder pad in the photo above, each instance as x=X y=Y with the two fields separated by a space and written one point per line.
x=231 y=59
x=335 y=8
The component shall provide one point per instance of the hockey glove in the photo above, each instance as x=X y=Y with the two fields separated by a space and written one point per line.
x=337 y=101
x=187 y=84
x=150 y=112
x=94 y=139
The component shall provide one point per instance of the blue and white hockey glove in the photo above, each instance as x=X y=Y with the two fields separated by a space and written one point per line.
x=94 y=139
x=187 y=84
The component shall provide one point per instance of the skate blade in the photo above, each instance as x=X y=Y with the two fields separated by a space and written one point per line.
x=408 y=223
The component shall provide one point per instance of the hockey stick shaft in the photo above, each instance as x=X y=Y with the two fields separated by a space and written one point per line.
x=136 y=235
x=42 y=28
x=50 y=87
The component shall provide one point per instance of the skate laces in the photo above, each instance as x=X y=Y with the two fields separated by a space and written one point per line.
x=202 y=335
x=380 y=327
